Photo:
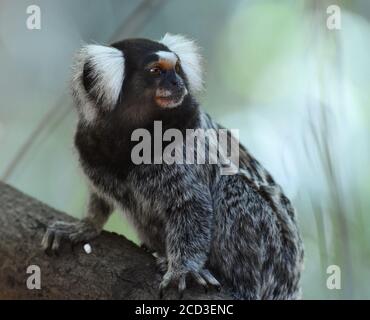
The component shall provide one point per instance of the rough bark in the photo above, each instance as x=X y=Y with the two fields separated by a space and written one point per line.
x=116 y=268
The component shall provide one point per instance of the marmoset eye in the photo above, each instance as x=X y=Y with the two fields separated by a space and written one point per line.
x=155 y=70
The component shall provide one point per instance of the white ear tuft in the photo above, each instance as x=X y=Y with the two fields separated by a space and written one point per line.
x=190 y=58
x=106 y=65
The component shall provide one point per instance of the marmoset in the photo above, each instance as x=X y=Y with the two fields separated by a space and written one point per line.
x=234 y=231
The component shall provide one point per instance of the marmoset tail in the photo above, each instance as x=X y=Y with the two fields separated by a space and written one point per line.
x=236 y=231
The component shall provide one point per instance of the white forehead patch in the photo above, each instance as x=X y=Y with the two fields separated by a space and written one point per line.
x=190 y=58
x=168 y=56
x=107 y=70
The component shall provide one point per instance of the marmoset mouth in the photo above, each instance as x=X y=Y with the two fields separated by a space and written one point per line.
x=170 y=99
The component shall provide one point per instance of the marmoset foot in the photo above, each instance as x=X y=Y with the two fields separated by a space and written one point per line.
x=74 y=232
x=203 y=277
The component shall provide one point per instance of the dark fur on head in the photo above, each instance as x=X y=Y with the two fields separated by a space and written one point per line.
x=135 y=107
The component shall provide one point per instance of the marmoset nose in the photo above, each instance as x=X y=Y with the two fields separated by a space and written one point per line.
x=174 y=82
x=172 y=78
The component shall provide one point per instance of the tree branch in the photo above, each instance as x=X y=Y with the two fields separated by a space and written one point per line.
x=116 y=268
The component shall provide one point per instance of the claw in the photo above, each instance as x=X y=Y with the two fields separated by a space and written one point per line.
x=210 y=279
x=164 y=284
x=47 y=239
x=56 y=242
x=161 y=290
x=160 y=296
x=198 y=278
x=73 y=237
x=181 y=295
x=182 y=286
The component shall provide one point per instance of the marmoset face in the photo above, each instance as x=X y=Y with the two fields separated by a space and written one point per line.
x=135 y=72
x=164 y=79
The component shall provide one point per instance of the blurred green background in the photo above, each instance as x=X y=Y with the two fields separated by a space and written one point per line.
x=298 y=92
